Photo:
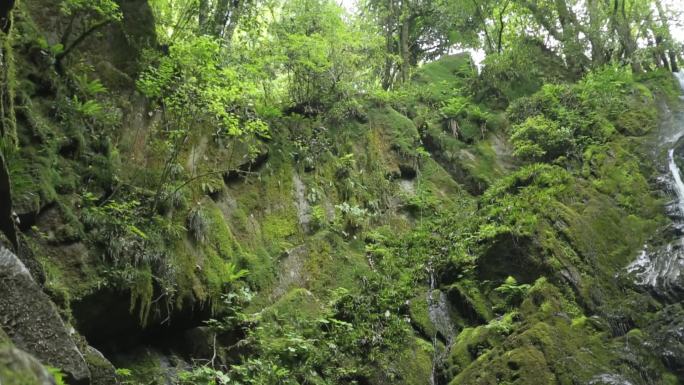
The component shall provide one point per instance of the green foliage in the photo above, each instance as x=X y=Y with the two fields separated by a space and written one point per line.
x=455 y=107
x=57 y=375
x=519 y=71
x=577 y=219
x=539 y=138
x=517 y=203
x=503 y=325
x=84 y=18
x=353 y=216
x=89 y=105
x=106 y=9
x=322 y=55
x=194 y=84
x=562 y=120
x=116 y=223
x=203 y=375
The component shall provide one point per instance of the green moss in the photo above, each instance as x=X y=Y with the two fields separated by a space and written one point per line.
x=420 y=316
x=474 y=304
x=17 y=368
x=398 y=127
x=333 y=264
x=437 y=80
x=640 y=114
x=203 y=271
x=277 y=230
x=11 y=376
x=8 y=82
x=296 y=304
x=414 y=363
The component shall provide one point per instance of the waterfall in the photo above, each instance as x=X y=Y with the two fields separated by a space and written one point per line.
x=439 y=314
x=677 y=176
x=660 y=267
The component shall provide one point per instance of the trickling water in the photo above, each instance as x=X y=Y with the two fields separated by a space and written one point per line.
x=609 y=379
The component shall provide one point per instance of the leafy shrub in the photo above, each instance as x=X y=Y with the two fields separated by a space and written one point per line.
x=565 y=119
x=203 y=375
x=353 y=216
x=519 y=71
x=539 y=138
x=505 y=324
x=318 y=217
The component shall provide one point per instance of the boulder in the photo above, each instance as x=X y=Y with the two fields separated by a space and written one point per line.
x=33 y=323
x=102 y=372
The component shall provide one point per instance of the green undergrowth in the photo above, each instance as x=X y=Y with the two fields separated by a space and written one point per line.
x=321 y=243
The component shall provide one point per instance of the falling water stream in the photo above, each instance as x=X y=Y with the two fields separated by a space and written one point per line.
x=440 y=316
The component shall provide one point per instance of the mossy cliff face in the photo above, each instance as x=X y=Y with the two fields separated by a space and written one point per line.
x=434 y=238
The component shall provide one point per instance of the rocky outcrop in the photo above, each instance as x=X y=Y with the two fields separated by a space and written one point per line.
x=32 y=322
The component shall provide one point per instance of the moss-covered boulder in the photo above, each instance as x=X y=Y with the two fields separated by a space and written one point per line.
x=101 y=370
x=20 y=368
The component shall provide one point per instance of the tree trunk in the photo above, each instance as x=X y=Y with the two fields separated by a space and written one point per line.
x=674 y=66
x=598 y=51
x=221 y=14
x=69 y=48
x=568 y=35
x=622 y=29
x=404 y=44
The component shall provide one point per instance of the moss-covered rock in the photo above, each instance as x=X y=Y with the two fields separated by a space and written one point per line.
x=102 y=372
x=20 y=368
x=32 y=321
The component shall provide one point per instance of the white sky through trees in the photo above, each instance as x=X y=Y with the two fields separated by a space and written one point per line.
x=676 y=6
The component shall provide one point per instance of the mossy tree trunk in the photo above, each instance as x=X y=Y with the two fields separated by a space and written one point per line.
x=8 y=140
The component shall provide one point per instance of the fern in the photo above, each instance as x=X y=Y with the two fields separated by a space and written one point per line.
x=198 y=225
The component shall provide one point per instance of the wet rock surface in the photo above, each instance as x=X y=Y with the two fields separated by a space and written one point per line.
x=668 y=332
